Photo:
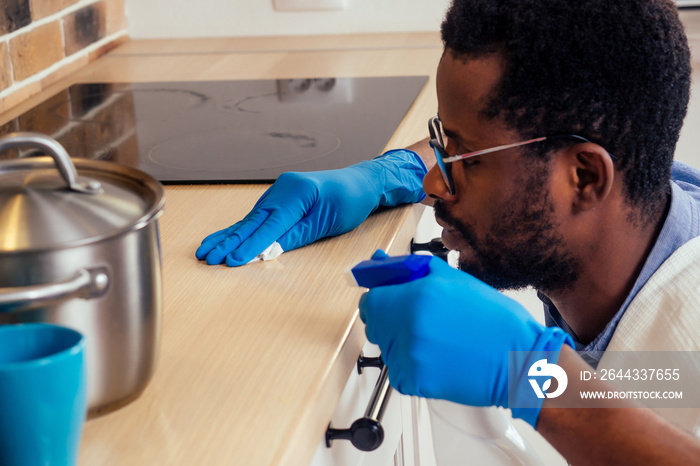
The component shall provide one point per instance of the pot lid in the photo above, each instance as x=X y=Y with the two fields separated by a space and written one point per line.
x=55 y=202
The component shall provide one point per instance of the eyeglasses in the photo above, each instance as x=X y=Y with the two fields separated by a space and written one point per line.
x=444 y=159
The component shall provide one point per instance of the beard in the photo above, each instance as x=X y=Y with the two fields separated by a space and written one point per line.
x=523 y=247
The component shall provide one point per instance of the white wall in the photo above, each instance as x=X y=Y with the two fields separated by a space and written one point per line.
x=224 y=18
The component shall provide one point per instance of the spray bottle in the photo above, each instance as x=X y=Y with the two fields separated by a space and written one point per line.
x=460 y=434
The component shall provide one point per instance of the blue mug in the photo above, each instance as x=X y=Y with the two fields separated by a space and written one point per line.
x=43 y=399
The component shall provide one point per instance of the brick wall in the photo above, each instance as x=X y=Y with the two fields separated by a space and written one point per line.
x=42 y=41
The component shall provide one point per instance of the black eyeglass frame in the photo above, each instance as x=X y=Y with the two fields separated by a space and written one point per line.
x=444 y=159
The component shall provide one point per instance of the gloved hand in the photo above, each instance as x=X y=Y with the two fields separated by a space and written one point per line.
x=448 y=335
x=300 y=208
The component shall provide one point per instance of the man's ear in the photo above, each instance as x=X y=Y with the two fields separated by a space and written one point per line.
x=593 y=175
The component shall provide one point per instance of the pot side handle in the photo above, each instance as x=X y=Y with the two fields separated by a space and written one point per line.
x=86 y=283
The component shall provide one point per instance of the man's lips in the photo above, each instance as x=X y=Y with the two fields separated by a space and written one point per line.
x=443 y=224
x=451 y=239
x=450 y=236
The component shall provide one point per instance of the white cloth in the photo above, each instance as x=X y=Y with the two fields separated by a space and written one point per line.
x=665 y=316
x=271 y=252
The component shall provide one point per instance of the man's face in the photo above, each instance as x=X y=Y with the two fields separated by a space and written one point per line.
x=501 y=218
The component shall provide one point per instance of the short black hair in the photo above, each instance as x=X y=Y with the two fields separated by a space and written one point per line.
x=616 y=72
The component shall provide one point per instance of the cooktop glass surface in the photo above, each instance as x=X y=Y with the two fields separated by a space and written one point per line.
x=227 y=131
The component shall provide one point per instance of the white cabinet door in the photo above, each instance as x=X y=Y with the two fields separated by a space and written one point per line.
x=397 y=448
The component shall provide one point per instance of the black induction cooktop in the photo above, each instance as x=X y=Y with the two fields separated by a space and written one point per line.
x=227 y=131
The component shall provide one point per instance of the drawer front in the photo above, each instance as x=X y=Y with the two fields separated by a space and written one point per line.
x=351 y=406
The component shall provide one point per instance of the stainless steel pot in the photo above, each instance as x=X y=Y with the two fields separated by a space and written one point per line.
x=81 y=249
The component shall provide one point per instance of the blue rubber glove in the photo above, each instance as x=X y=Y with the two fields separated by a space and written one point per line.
x=300 y=208
x=448 y=336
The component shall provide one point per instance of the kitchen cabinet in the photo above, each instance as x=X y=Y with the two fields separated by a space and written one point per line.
x=408 y=438
x=400 y=444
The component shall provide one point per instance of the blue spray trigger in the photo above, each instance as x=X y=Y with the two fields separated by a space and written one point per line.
x=391 y=271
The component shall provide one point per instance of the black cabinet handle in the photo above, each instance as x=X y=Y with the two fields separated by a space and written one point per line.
x=371 y=361
x=434 y=247
x=367 y=433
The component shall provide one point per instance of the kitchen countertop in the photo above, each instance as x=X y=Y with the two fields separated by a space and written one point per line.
x=252 y=360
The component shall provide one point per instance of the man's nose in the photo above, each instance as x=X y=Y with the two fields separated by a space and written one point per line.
x=435 y=187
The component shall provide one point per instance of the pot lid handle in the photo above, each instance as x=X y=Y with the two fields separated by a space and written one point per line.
x=53 y=148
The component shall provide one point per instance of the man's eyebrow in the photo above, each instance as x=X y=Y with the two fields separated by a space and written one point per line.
x=453 y=135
